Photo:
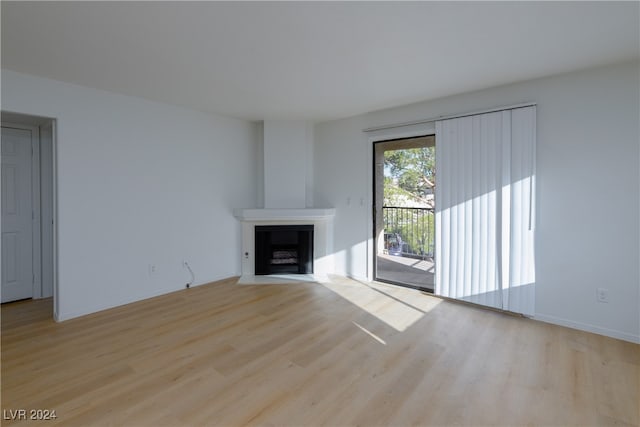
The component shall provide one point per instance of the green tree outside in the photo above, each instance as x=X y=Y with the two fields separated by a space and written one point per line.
x=409 y=182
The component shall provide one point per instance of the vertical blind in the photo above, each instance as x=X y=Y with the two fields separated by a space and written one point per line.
x=485 y=209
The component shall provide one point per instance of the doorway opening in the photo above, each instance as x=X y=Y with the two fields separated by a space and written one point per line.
x=28 y=208
x=404 y=213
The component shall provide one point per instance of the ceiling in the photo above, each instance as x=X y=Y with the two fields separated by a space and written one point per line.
x=310 y=60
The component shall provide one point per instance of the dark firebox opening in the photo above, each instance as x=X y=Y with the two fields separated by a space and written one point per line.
x=284 y=249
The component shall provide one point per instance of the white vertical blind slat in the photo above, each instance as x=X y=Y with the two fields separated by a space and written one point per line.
x=465 y=208
x=442 y=224
x=505 y=218
x=521 y=286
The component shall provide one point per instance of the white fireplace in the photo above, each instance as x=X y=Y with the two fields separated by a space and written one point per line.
x=321 y=219
x=288 y=195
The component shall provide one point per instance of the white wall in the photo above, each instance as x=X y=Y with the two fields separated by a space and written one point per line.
x=588 y=189
x=139 y=183
x=342 y=164
x=286 y=147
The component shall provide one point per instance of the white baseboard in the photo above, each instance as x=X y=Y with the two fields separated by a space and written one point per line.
x=62 y=316
x=625 y=336
x=357 y=278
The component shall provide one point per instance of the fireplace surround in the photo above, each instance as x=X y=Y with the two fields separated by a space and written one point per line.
x=322 y=244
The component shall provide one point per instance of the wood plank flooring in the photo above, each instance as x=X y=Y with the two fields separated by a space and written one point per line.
x=342 y=353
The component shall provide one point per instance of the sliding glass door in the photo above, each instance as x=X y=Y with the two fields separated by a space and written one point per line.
x=404 y=181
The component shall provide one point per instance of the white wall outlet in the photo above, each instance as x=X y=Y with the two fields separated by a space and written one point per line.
x=602 y=295
x=152 y=269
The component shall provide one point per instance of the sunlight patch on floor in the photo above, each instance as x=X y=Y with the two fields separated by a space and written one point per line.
x=396 y=306
x=371 y=334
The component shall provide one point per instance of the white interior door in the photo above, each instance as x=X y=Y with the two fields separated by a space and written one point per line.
x=17 y=215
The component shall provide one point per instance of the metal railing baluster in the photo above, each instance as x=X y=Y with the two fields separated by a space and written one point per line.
x=414 y=226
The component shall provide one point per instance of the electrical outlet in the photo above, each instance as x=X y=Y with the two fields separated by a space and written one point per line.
x=602 y=295
x=152 y=269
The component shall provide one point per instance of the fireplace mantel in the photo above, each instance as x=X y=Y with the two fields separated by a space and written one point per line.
x=311 y=214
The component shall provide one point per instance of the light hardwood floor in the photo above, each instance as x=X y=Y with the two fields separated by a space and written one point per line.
x=343 y=353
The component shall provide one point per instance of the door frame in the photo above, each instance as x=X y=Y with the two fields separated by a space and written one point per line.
x=406 y=143
x=33 y=124
x=370 y=138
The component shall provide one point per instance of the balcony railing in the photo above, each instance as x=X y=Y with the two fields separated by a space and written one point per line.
x=409 y=231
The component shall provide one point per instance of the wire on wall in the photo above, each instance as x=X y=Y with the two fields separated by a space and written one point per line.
x=193 y=277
